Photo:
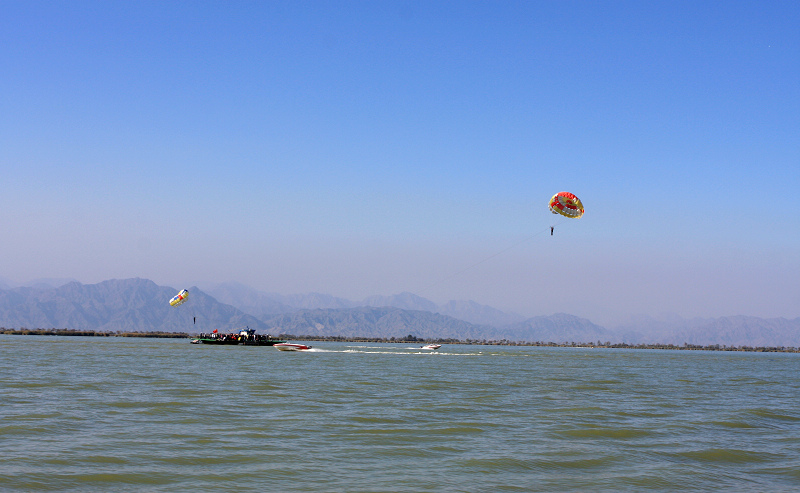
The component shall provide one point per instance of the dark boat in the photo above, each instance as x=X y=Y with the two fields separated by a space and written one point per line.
x=245 y=337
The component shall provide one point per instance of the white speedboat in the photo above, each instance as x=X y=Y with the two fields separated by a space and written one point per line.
x=432 y=347
x=288 y=346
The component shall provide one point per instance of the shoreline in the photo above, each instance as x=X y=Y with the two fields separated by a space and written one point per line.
x=409 y=340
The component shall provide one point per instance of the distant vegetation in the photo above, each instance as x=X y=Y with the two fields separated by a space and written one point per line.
x=412 y=339
x=91 y=333
x=504 y=342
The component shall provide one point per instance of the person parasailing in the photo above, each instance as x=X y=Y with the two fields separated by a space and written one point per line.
x=180 y=299
x=566 y=204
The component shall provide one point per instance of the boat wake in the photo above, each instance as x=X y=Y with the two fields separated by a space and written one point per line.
x=381 y=350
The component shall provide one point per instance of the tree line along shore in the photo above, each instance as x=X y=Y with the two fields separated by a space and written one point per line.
x=91 y=333
x=413 y=339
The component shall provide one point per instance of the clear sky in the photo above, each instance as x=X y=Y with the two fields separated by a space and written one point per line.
x=376 y=147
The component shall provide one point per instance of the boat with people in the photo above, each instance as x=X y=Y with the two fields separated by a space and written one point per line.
x=431 y=347
x=245 y=337
x=288 y=346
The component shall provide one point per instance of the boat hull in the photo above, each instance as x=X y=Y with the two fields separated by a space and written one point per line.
x=233 y=342
x=237 y=340
x=284 y=346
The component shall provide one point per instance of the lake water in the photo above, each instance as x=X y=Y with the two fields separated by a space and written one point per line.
x=125 y=414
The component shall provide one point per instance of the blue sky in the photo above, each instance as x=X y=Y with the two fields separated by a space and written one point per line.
x=361 y=148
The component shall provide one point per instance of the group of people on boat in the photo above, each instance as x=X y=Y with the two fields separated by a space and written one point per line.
x=247 y=336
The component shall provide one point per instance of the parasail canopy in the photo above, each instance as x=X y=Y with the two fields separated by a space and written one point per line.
x=179 y=298
x=566 y=204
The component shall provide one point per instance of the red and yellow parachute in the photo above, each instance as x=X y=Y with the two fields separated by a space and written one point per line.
x=566 y=204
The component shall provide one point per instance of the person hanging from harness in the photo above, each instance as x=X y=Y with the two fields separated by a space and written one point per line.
x=551 y=230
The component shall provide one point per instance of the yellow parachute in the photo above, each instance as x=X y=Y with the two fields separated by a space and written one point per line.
x=179 y=298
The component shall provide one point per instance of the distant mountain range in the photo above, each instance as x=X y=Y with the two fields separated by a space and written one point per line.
x=116 y=305
x=141 y=305
x=265 y=305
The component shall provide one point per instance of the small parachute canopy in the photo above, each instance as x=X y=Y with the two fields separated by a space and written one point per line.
x=179 y=298
x=566 y=204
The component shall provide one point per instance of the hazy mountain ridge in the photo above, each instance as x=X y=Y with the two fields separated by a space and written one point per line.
x=741 y=330
x=249 y=300
x=559 y=328
x=42 y=283
x=377 y=322
x=265 y=305
x=405 y=301
x=141 y=305
x=479 y=314
x=117 y=305
x=648 y=329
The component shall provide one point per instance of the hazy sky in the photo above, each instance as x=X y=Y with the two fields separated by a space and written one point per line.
x=376 y=147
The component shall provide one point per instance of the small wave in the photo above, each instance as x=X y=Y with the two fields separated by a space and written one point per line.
x=643 y=414
x=458 y=430
x=82 y=482
x=406 y=452
x=753 y=381
x=25 y=429
x=32 y=385
x=234 y=459
x=35 y=416
x=770 y=414
x=104 y=459
x=261 y=386
x=501 y=465
x=733 y=424
x=371 y=420
x=649 y=482
x=512 y=464
x=615 y=433
x=729 y=456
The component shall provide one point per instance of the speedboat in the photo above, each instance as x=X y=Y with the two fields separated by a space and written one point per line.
x=432 y=347
x=288 y=346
